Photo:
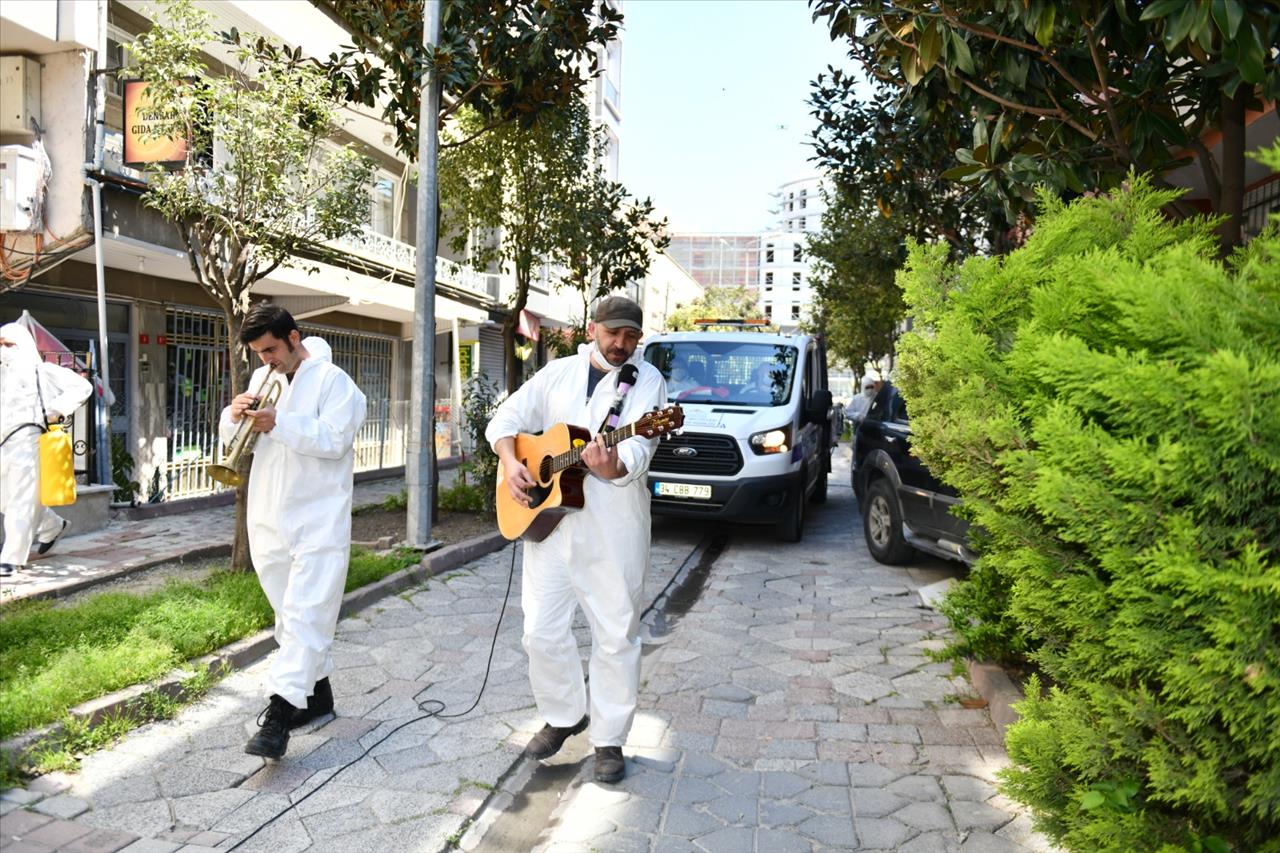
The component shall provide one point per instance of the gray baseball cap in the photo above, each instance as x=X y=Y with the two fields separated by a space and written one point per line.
x=615 y=312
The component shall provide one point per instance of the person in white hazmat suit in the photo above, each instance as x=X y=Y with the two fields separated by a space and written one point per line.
x=299 y=509
x=33 y=392
x=597 y=556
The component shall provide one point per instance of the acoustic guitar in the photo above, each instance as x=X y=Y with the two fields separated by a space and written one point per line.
x=554 y=459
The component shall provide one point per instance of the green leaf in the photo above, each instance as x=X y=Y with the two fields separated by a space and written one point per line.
x=1227 y=14
x=1178 y=26
x=1044 y=29
x=1214 y=844
x=1161 y=8
x=959 y=173
x=1092 y=799
x=911 y=69
x=963 y=59
x=930 y=46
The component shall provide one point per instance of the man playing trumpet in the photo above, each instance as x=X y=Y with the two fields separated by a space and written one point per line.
x=299 y=510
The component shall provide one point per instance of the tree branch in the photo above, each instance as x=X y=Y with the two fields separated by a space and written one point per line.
x=1104 y=93
x=1058 y=113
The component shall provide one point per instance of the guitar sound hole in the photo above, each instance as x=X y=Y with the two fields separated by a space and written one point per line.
x=537 y=495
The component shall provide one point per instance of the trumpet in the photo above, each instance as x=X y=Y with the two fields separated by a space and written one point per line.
x=245 y=438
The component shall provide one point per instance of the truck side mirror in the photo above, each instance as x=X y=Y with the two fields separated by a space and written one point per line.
x=819 y=407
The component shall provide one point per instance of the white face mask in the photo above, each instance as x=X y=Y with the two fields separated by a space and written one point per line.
x=870 y=392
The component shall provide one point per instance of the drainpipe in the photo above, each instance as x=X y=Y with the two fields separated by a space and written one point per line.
x=91 y=169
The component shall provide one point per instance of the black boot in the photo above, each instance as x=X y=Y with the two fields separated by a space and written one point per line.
x=272 y=738
x=319 y=703
x=547 y=742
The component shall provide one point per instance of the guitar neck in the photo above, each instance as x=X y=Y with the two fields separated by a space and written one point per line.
x=573 y=456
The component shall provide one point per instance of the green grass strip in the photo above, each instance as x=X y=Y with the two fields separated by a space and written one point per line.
x=54 y=657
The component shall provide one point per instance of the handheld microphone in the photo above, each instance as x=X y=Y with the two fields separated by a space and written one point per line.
x=626 y=378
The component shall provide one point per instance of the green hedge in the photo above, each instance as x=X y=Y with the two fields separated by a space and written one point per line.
x=1107 y=401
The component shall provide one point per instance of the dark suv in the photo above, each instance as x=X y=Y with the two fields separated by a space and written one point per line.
x=904 y=509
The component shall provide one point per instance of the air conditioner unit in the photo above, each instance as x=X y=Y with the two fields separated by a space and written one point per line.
x=19 y=184
x=19 y=94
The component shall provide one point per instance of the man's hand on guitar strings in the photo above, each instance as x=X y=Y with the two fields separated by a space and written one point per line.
x=518 y=482
x=603 y=461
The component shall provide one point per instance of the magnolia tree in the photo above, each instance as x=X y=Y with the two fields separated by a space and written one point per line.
x=260 y=184
x=513 y=182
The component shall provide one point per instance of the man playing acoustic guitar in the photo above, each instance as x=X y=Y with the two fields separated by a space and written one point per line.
x=597 y=556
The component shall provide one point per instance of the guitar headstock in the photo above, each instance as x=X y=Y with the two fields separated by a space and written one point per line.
x=660 y=422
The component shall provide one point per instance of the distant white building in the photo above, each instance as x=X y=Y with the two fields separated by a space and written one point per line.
x=784 y=267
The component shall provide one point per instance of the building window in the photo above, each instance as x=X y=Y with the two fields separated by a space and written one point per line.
x=768 y=311
x=382 y=205
x=797 y=254
x=795 y=312
x=768 y=278
x=768 y=254
x=804 y=202
x=795 y=290
x=795 y=278
x=801 y=223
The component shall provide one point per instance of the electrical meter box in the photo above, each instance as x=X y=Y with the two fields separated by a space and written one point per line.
x=19 y=94
x=19 y=179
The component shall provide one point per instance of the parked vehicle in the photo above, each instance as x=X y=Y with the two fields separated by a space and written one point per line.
x=759 y=427
x=904 y=508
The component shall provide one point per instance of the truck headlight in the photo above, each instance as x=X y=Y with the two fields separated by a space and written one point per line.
x=771 y=441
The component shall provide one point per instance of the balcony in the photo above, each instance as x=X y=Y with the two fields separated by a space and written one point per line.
x=379 y=248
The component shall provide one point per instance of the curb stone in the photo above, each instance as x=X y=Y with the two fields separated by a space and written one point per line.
x=247 y=650
x=995 y=686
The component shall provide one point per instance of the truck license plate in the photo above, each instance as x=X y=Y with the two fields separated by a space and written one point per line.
x=683 y=490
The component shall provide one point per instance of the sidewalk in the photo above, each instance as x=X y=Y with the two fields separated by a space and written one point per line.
x=125 y=546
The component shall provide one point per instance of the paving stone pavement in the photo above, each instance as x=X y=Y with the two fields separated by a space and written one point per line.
x=186 y=785
x=793 y=709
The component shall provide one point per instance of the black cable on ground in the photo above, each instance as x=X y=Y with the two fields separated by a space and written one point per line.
x=429 y=707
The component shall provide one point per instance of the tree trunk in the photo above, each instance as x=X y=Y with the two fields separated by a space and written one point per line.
x=1230 y=231
x=240 y=558
x=509 y=330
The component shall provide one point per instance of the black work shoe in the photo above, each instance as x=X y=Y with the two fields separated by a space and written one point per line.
x=319 y=703
x=547 y=742
x=610 y=765
x=272 y=738
x=43 y=547
x=7 y=569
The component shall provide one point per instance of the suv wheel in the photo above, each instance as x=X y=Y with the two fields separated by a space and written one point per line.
x=791 y=528
x=882 y=525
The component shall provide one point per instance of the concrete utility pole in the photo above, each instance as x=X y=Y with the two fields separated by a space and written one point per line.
x=420 y=470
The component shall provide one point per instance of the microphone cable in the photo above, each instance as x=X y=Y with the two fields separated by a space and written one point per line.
x=429 y=708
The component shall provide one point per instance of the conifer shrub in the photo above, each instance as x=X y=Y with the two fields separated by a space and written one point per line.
x=1106 y=399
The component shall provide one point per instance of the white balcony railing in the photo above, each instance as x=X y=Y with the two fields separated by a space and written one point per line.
x=373 y=246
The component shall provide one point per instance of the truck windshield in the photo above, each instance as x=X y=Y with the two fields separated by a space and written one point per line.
x=725 y=373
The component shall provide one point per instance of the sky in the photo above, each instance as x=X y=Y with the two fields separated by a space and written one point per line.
x=713 y=106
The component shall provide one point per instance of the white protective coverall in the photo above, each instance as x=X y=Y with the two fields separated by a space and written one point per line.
x=597 y=555
x=300 y=514
x=63 y=391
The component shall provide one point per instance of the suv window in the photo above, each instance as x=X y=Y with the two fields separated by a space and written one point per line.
x=889 y=406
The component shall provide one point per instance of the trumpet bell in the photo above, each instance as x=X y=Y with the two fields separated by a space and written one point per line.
x=224 y=474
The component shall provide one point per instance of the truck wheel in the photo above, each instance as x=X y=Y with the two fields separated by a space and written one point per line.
x=791 y=528
x=882 y=525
